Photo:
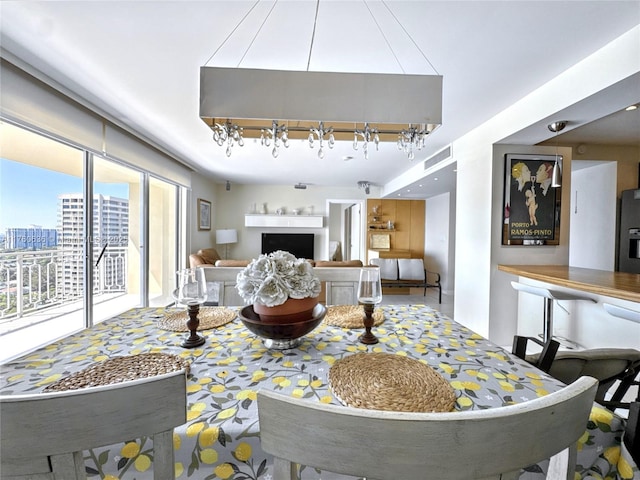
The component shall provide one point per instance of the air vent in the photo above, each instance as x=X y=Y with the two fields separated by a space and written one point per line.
x=438 y=157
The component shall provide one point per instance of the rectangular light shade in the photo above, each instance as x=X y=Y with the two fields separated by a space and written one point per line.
x=225 y=236
x=301 y=99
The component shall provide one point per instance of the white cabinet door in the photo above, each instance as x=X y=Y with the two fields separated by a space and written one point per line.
x=592 y=237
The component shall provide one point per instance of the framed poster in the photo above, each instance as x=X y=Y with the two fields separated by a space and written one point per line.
x=204 y=214
x=531 y=213
x=380 y=241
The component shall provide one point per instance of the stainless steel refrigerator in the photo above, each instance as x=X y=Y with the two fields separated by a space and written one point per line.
x=629 y=245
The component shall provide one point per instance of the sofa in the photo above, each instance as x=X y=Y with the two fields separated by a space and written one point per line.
x=205 y=257
x=407 y=272
x=208 y=257
x=339 y=280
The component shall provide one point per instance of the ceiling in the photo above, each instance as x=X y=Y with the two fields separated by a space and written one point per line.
x=138 y=62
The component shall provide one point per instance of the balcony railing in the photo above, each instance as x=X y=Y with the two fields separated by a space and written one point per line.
x=39 y=279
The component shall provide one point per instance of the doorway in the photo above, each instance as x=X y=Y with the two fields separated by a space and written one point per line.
x=345 y=229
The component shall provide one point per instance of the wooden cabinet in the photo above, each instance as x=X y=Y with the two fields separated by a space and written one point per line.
x=401 y=221
x=378 y=253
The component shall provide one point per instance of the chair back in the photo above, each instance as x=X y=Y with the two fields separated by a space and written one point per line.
x=616 y=369
x=455 y=445
x=43 y=435
x=631 y=437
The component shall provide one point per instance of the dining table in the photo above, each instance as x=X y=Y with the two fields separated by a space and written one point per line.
x=221 y=438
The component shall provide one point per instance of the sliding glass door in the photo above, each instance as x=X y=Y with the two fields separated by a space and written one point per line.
x=42 y=240
x=116 y=258
x=54 y=242
x=163 y=241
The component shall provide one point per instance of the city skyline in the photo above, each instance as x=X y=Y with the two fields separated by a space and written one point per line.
x=29 y=195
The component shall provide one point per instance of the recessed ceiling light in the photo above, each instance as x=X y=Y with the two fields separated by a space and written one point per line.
x=420 y=185
x=435 y=179
x=631 y=107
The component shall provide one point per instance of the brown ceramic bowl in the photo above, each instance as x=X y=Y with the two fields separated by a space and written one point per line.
x=281 y=335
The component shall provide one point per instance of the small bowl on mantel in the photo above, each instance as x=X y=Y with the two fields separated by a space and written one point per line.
x=284 y=335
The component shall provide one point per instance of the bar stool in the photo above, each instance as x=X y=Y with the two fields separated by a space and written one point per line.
x=626 y=313
x=549 y=297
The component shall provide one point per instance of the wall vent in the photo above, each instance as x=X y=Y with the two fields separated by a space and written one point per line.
x=438 y=157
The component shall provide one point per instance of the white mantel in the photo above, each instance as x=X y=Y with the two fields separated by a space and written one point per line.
x=289 y=221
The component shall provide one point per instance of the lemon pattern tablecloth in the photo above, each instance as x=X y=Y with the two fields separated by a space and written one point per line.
x=221 y=438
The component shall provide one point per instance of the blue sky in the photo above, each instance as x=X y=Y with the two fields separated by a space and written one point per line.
x=29 y=195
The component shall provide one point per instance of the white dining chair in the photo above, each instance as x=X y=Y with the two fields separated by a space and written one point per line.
x=43 y=435
x=477 y=444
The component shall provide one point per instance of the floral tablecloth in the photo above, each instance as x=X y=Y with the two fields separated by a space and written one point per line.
x=221 y=438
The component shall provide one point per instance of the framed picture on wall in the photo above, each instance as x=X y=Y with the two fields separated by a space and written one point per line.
x=531 y=213
x=204 y=214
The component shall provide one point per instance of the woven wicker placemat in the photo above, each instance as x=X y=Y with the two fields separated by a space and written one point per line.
x=350 y=316
x=382 y=381
x=120 y=369
x=210 y=317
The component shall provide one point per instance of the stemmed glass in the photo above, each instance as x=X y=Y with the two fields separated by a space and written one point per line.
x=192 y=291
x=369 y=294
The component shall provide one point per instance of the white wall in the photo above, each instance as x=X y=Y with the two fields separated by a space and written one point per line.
x=484 y=300
x=503 y=311
x=206 y=189
x=438 y=239
x=231 y=206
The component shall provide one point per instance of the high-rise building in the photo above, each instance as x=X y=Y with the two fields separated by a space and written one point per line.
x=33 y=237
x=111 y=231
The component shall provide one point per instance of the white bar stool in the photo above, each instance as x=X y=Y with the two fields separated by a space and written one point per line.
x=549 y=296
x=618 y=311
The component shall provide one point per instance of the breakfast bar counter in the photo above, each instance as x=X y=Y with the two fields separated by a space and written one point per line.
x=620 y=285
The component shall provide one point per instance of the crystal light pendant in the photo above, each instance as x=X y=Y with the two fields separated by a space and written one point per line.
x=320 y=132
x=368 y=134
x=279 y=134
x=412 y=139
x=229 y=133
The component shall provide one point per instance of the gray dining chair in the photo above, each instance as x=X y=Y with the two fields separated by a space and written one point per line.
x=43 y=435
x=616 y=369
x=477 y=444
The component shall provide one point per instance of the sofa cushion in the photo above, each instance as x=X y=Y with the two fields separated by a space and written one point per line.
x=196 y=260
x=388 y=267
x=411 y=269
x=209 y=255
x=232 y=263
x=335 y=263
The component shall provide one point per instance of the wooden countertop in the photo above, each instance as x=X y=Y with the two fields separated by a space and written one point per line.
x=625 y=286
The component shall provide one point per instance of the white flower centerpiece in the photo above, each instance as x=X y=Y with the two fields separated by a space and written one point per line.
x=276 y=279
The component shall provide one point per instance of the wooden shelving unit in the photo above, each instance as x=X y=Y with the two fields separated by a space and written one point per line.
x=406 y=237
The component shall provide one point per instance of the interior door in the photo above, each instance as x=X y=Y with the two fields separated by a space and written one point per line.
x=354 y=250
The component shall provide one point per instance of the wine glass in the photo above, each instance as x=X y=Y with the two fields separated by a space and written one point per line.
x=192 y=291
x=369 y=293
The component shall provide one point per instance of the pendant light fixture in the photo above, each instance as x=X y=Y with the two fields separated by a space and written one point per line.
x=281 y=105
x=556 y=175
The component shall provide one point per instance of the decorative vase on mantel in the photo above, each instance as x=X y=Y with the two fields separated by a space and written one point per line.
x=292 y=310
